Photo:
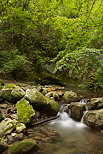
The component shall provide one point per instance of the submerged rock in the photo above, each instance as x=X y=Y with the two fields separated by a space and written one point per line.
x=24 y=111
x=77 y=110
x=94 y=119
x=12 y=93
x=70 y=96
x=7 y=126
x=24 y=147
x=3 y=145
x=41 y=102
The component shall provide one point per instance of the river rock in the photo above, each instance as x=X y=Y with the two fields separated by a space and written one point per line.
x=94 y=119
x=41 y=102
x=53 y=95
x=1 y=116
x=20 y=127
x=12 y=93
x=70 y=96
x=77 y=110
x=24 y=111
x=24 y=147
x=3 y=145
x=95 y=103
x=7 y=126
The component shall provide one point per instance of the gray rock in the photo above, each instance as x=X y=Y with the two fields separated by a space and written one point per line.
x=1 y=116
x=77 y=110
x=41 y=102
x=95 y=103
x=7 y=126
x=94 y=119
x=70 y=96
x=12 y=92
x=3 y=145
x=20 y=127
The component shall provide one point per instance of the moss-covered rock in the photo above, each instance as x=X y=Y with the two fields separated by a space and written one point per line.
x=3 y=145
x=41 y=102
x=12 y=93
x=24 y=111
x=24 y=147
x=77 y=110
x=94 y=119
x=70 y=96
x=7 y=126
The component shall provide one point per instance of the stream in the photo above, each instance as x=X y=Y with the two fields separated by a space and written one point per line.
x=76 y=137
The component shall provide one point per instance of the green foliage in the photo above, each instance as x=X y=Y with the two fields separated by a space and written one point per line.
x=70 y=32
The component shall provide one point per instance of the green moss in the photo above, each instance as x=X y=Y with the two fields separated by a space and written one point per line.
x=24 y=111
x=11 y=86
x=23 y=147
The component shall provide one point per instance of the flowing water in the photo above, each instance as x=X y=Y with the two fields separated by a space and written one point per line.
x=77 y=138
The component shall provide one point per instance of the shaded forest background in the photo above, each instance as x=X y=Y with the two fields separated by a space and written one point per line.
x=46 y=38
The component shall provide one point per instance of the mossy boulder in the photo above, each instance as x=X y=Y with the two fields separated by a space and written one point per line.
x=95 y=103
x=12 y=93
x=77 y=110
x=24 y=147
x=70 y=96
x=24 y=111
x=7 y=126
x=3 y=145
x=41 y=102
x=94 y=119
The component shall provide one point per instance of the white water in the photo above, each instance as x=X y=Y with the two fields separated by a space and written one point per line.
x=65 y=121
x=77 y=138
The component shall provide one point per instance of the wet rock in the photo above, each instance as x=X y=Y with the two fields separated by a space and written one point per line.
x=41 y=102
x=7 y=126
x=14 y=137
x=24 y=111
x=1 y=116
x=95 y=103
x=70 y=96
x=12 y=93
x=3 y=145
x=77 y=110
x=20 y=127
x=94 y=119
x=24 y=147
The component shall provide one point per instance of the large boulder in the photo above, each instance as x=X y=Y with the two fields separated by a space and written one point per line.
x=7 y=126
x=3 y=145
x=95 y=103
x=41 y=102
x=12 y=92
x=70 y=96
x=24 y=111
x=24 y=147
x=94 y=119
x=77 y=110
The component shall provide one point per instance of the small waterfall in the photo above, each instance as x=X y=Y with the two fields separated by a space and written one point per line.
x=64 y=120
